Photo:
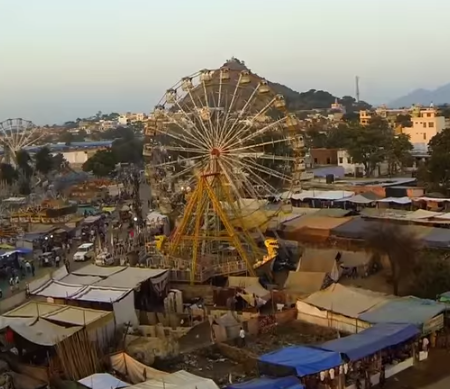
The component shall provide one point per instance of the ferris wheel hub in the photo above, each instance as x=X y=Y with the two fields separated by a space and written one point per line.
x=216 y=152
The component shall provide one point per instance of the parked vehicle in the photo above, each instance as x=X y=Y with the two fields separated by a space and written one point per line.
x=84 y=252
x=104 y=259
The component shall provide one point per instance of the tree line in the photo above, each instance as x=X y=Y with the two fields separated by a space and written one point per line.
x=367 y=145
x=26 y=166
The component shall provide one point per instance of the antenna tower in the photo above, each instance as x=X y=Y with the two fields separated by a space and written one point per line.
x=357 y=88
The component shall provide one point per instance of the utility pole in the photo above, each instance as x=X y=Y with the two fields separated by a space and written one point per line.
x=357 y=88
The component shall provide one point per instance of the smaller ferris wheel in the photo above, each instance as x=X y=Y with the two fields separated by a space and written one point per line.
x=15 y=135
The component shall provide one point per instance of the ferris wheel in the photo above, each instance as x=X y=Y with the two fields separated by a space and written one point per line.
x=224 y=144
x=16 y=134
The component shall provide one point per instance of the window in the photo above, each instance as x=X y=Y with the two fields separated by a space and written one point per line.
x=424 y=136
x=349 y=160
x=315 y=160
x=424 y=125
x=431 y=124
x=429 y=115
x=341 y=160
x=328 y=161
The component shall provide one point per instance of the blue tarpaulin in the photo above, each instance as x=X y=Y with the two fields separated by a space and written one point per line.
x=289 y=382
x=409 y=310
x=371 y=340
x=301 y=360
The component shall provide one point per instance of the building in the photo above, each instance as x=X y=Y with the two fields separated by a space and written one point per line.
x=357 y=169
x=390 y=115
x=323 y=156
x=425 y=124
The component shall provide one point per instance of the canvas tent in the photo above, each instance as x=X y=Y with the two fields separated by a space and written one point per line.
x=304 y=282
x=347 y=301
x=322 y=261
x=102 y=381
x=179 y=380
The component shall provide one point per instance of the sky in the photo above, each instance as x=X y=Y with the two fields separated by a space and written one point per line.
x=63 y=59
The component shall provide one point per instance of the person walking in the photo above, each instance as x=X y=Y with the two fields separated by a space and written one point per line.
x=242 y=337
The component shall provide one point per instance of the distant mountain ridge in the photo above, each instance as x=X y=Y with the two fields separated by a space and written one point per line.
x=425 y=97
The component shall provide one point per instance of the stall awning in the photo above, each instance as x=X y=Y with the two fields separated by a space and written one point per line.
x=371 y=340
x=301 y=360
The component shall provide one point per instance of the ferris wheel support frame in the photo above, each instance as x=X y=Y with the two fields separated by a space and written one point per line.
x=203 y=193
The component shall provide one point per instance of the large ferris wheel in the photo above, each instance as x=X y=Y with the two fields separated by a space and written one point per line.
x=15 y=135
x=222 y=148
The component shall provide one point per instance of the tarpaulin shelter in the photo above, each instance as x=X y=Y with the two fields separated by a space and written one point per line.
x=289 y=382
x=371 y=340
x=311 y=228
x=298 y=360
x=356 y=228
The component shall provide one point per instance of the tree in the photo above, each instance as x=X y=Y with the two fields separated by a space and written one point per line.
x=44 y=161
x=403 y=120
x=366 y=145
x=436 y=173
x=24 y=163
x=59 y=162
x=399 y=246
x=8 y=173
x=431 y=275
x=66 y=137
x=398 y=153
x=101 y=164
x=374 y=143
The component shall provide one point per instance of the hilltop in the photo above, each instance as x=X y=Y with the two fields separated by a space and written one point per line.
x=439 y=96
x=296 y=101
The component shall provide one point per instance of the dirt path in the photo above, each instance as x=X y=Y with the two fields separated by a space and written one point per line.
x=431 y=374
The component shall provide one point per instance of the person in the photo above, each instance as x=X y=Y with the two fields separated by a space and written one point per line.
x=57 y=260
x=242 y=336
x=28 y=267
x=11 y=283
x=382 y=376
x=32 y=269
x=17 y=280
x=425 y=344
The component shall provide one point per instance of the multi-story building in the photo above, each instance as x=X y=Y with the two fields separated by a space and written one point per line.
x=426 y=123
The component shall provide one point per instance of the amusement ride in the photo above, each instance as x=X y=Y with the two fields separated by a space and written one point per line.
x=222 y=156
x=15 y=135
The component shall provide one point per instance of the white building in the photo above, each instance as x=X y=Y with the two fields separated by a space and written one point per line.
x=122 y=120
x=357 y=169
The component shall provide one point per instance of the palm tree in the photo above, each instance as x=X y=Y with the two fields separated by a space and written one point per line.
x=399 y=245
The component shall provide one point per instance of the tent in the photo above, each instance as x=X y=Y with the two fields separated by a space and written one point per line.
x=289 y=382
x=356 y=228
x=371 y=340
x=410 y=310
x=298 y=360
x=102 y=381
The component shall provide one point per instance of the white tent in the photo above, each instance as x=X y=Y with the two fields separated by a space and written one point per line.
x=179 y=380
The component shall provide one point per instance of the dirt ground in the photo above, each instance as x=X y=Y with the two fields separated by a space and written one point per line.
x=293 y=333
x=210 y=363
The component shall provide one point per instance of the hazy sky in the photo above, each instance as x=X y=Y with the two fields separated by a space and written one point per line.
x=62 y=59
